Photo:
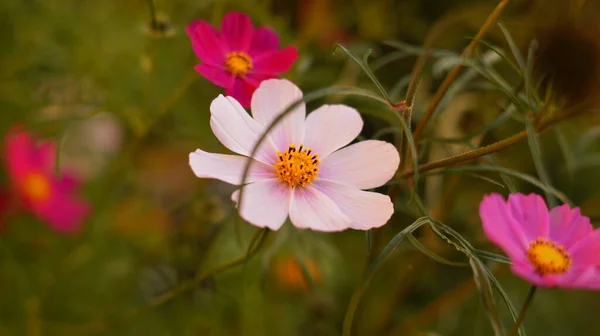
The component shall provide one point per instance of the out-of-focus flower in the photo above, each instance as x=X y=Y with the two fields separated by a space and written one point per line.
x=567 y=63
x=239 y=57
x=300 y=169
x=4 y=199
x=318 y=22
x=556 y=248
x=289 y=275
x=49 y=197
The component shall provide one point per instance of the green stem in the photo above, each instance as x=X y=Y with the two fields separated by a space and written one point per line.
x=259 y=239
x=154 y=21
x=521 y=317
x=497 y=146
x=456 y=70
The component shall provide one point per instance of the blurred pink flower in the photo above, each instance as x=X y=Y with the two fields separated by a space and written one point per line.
x=239 y=57
x=299 y=169
x=556 y=248
x=4 y=207
x=50 y=198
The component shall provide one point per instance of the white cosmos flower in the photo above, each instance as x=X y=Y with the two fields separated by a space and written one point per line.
x=299 y=170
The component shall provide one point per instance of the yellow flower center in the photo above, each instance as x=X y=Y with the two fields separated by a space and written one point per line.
x=547 y=257
x=297 y=167
x=36 y=187
x=238 y=63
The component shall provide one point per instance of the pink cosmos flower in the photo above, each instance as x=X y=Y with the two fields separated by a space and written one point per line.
x=239 y=57
x=50 y=198
x=300 y=169
x=556 y=248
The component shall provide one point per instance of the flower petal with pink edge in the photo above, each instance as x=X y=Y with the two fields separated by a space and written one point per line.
x=275 y=62
x=532 y=214
x=206 y=43
x=366 y=209
x=241 y=90
x=237 y=31
x=264 y=40
x=364 y=165
x=228 y=168
x=323 y=132
x=237 y=131
x=567 y=225
x=272 y=98
x=265 y=203
x=216 y=75
x=23 y=153
x=587 y=278
x=586 y=252
x=501 y=228
x=313 y=209
x=62 y=212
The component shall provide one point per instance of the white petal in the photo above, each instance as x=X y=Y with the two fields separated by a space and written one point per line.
x=364 y=165
x=331 y=127
x=312 y=209
x=366 y=209
x=272 y=98
x=236 y=130
x=228 y=168
x=265 y=203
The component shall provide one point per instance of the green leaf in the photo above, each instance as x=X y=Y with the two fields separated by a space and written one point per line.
x=527 y=178
x=432 y=254
x=492 y=256
x=513 y=46
x=487 y=296
x=365 y=66
x=536 y=156
x=501 y=54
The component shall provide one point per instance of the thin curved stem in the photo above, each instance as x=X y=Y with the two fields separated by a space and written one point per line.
x=521 y=317
x=259 y=237
x=454 y=72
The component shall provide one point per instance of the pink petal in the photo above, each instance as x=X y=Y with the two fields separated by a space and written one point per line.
x=567 y=226
x=264 y=40
x=228 y=168
x=68 y=182
x=364 y=165
x=501 y=228
x=238 y=131
x=265 y=203
x=272 y=98
x=527 y=272
x=532 y=214
x=275 y=62
x=256 y=79
x=323 y=132
x=241 y=90
x=63 y=212
x=206 y=43
x=22 y=153
x=312 y=209
x=216 y=75
x=237 y=31
x=586 y=252
x=587 y=278
x=366 y=209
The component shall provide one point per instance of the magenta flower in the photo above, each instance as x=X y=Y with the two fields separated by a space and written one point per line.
x=50 y=198
x=239 y=57
x=557 y=248
x=300 y=169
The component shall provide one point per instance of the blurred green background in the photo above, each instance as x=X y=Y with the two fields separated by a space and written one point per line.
x=126 y=107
